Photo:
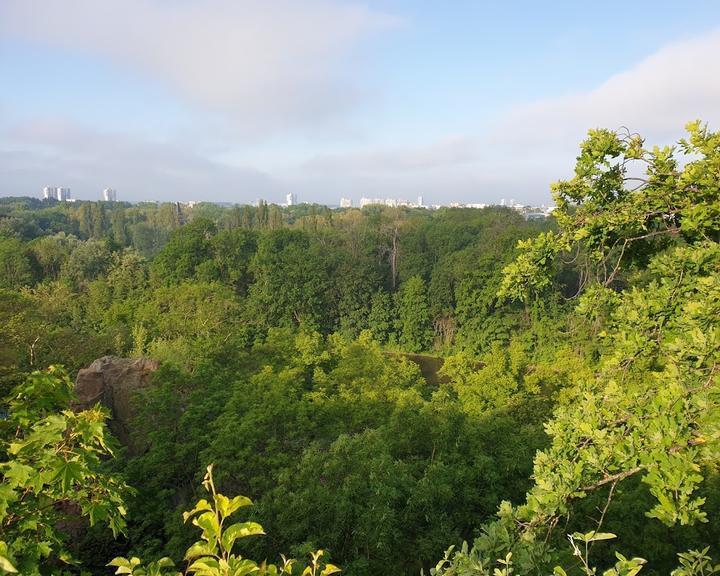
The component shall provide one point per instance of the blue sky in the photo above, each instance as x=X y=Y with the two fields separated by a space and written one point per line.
x=232 y=100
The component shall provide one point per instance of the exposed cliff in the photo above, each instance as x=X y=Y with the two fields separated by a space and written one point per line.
x=112 y=381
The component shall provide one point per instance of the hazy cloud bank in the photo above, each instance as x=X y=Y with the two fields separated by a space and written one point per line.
x=54 y=153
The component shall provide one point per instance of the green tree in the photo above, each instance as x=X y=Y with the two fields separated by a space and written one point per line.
x=213 y=554
x=292 y=281
x=381 y=320
x=118 y=227
x=87 y=261
x=147 y=239
x=414 y=322
x=51 y=252
x=183 y=320
x=353 y=280
x=189 y=248
x=650 y=409
x=15 y=270
x=233 y=253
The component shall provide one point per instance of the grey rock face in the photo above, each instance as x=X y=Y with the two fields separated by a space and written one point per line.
x=112 y=381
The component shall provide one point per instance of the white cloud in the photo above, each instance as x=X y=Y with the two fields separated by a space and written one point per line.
x=529 y=146
x=266 y=64
x=451 y=151
x=273 y=64
x=655 y=97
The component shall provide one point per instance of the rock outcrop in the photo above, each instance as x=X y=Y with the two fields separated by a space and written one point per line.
x=112 y=381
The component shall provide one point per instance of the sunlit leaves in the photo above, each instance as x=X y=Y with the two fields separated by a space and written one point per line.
x=240 y=530
x=532 y=270
x=134 y=567
x=644 y=228
x=213 y=554
x=53 y=457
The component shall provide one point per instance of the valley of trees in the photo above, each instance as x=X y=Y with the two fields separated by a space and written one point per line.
x=457 y=392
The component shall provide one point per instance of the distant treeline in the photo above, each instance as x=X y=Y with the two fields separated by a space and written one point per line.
x=423 y=280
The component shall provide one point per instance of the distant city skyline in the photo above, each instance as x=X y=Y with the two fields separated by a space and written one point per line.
x=63 y=194
x=291 y=199
x=228 y=101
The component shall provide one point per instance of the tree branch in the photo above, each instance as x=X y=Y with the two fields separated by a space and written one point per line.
x=614 y=478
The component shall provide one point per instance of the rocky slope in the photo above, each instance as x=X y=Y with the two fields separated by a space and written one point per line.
x=112 y=381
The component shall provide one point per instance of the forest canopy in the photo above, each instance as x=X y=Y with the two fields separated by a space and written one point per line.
x=457 y=392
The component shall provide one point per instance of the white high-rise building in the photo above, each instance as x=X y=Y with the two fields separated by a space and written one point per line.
x=345 y=203
x=110 y=195
x=420 y=202
x=370 y=201
x=61 y=194
x=291 y=199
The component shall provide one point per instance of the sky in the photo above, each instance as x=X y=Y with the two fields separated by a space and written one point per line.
x=234 y=100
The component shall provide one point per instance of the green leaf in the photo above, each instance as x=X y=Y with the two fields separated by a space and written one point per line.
x=240 y=530
x=18 y=474
x=68 y=473
x=165 y=562
x=200 y=548
x=118 y=561
x=330 y=569
x=6 y=565
x=237 y=503
x=204 y=564
x=209 y=524
x=202 y=506
x=596 y=536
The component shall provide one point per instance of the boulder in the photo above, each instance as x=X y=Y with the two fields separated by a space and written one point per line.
x=112 y=381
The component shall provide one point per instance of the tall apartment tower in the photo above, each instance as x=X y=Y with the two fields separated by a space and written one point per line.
x=291 y=199
x=61 y=194
x=110 y=195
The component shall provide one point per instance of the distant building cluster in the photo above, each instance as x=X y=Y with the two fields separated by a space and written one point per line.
x=478 y=206
x=530 y=212
x=390 y=202
x=512 y=204
x=61 y=194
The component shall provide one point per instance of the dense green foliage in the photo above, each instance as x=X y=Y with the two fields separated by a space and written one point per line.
x=52 y=478
x=51 y=474
x=81 y=281
x=300 y=353
x=213 y=555
x=650 y=263
x=267 y=371
x=340 y=445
